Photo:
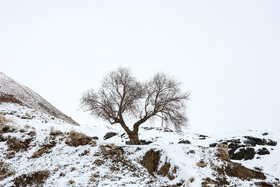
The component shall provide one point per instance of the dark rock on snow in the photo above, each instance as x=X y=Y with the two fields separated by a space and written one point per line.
x=109 y=135
x=263 y=151
x=243 y=153
x=184 y=142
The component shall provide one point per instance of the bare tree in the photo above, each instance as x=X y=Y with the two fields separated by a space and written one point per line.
x=121 y=96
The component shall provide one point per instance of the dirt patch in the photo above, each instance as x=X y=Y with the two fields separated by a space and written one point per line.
x=35 y=179
x=45 y=149
x=15 y=144
x=164 y=169
x=237 y=170
x=264 y=184
x=5 y=171
x=151 y=160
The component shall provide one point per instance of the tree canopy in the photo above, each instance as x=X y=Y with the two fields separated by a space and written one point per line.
x=121 y=95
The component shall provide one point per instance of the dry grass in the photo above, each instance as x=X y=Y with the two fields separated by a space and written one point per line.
x=76 y=139
x=191 y=179
x=94 y=176
x=76 y=135
x=27 y=126
x=4 y=120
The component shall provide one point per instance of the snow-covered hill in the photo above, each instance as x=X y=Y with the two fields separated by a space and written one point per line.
x=40 y=146
x=36 y=148
x=13 y=91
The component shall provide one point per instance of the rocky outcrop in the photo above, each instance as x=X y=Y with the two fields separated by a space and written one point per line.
x=244 y=149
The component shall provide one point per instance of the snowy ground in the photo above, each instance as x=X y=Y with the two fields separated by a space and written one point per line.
x=88 y=165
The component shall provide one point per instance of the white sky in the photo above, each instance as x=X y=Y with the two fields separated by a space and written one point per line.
x=227 y=53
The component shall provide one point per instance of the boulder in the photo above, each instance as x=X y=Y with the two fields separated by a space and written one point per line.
x=253 y=141
x=271 y=142
x=184 y=142
x=263 y=151
x=243 y=153
x=201 y=164
x=109 y=135
x=223 y=151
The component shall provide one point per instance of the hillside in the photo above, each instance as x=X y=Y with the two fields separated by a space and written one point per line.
x=39 y=145
x=12 y=91
x=49 y=151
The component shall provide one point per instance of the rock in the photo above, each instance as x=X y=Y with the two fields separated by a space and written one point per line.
x=142 y=142
x=167 y=130
x=213 y=145
x=223 y=151
x=191 y=152
x=109 y=135
x=95 y=138
x=184 y=142
x=265 y=134
x=243 y=153
x=263 y=151
x=151 y=160
x=253 y=141
x=201 y=164
x=271 y=142
x=202 y=137
x=145 y=142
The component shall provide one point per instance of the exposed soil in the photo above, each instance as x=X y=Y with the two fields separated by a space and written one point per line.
x=151 y=160
x=15 y=144
x=6 y=98
x=33 y=179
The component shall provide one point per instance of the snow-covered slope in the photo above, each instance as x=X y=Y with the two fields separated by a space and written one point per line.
x=36 y=148
x=13 y=91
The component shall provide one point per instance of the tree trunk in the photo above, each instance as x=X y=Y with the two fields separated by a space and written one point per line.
x=134 y=138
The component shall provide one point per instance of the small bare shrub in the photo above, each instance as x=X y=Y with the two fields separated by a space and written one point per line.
x=98 y=162
x=76 y=139
x=73 y=168
x=191 y=179
x=94 y=176
x=71 y=181
x=62 y=174
x=27 y=126
x=75 y=135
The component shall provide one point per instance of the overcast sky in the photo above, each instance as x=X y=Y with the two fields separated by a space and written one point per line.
x=226 y=53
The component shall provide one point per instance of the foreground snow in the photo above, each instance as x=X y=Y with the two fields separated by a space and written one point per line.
x=100 y=164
